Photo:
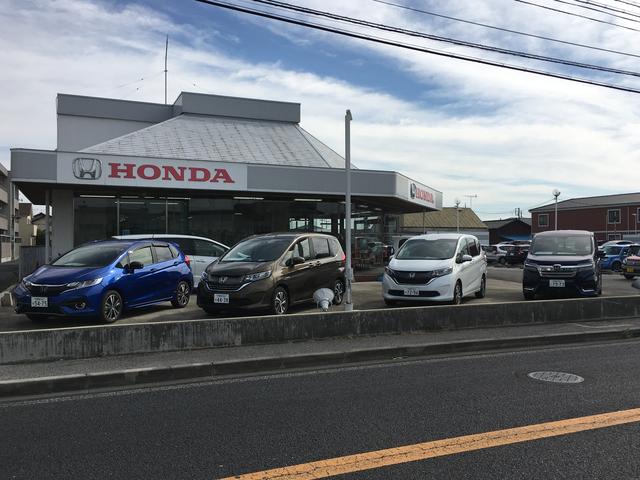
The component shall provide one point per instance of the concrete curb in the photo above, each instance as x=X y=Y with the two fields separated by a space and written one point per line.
x=85 y=383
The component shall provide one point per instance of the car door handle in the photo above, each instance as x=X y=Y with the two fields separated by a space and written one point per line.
x=152 y=270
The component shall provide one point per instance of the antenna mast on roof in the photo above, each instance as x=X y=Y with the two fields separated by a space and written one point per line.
x=166 y=50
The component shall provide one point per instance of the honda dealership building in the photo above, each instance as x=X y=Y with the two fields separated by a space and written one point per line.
x=208 y=165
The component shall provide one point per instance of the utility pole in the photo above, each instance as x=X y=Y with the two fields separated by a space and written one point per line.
x=348 y=305
x=556 y=193
x=457 y=215
x=166 y=51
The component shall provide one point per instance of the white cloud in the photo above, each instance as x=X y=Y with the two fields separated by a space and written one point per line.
x=518 y=138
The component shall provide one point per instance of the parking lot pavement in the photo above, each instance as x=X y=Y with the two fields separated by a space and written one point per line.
x=503 y=285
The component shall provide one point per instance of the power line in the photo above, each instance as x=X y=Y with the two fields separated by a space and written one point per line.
x=605 y=11
x=506 y=30
x=412 y=47
x=637 y=5
x=463 y=43
x=577 y=15
x=608 y=7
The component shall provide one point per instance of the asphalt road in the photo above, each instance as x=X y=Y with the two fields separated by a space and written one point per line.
x=503 y=285
x=240 y=425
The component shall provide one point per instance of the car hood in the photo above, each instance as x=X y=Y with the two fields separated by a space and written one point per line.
x=236 y=269
x=419 y=265
x=51 y=275
x=564 y=260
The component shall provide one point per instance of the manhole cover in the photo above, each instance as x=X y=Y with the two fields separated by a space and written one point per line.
x=556 y=377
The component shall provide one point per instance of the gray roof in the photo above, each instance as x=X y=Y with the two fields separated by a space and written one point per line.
x=592 y=202
x=224 y=139
x=495 y=224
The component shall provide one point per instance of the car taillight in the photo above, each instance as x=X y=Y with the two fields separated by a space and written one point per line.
x=187 y=260
x=344 y=258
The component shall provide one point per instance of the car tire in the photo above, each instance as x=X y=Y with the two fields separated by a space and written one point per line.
x=36 y=318
x=182 y=295
x=502 y=261
x=111 y=307
x=629 y=277
x=389 y=303
x=338 y=292
x=280 y=301
x=457 y=294
x=616 y=266
x=483 y=288
x=529 y=295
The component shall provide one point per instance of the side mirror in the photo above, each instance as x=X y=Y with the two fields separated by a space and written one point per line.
x=600 y=254
x=466 y=258
x=292 y=262
x=135 y=266
x=393 y=251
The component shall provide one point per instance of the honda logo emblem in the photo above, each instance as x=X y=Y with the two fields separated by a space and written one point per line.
x=87 y=168
x=223 y=279
x=412 y=275
x=557 y=267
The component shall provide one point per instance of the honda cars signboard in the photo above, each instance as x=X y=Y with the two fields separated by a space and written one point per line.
x=90 y=169
x=422 y=195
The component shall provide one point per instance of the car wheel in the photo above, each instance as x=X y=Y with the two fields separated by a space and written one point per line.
x=457 y=294
x=35 y=318
x=629 y=277
x=616 y=266
x=389 y=303
x=280 y=301
x=181 y=298
x=483 y=288
x=529 y=295
x=502 y=261
x=111 y=307
x=338 y=292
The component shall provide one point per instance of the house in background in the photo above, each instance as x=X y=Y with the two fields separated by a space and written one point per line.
x=442 y=221
x=39 y=220
x=27 y=231
x=508 y=229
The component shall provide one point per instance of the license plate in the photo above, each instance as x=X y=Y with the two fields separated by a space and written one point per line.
x=412 y=292
x=39 y=302
x=630 y=269
x=220 y=298
x=556 y=283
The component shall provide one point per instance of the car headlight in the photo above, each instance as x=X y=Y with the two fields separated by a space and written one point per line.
x=254 y=277
x=530 y=265
x=388 y=271
x=204 y=275
x=624 y=261
x=26 y=283
x=442 y=272
x=85 y=284
x=586 y=266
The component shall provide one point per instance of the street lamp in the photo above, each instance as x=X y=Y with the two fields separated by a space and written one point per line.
x=556 y=193
x=348 y=305
x=457 y=214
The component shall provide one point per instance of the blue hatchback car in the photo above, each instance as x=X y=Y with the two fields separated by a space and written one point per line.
x=615 y=255
x=103 y=279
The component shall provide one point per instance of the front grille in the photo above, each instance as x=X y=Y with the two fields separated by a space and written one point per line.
x=222 y=283
x=424 y=293
x=412 y=278
x=46 y=290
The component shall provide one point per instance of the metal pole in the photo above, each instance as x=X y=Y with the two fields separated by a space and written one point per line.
x=348 y=305
x=457 y=215
x=12 y=219
x=47 y=226
x=555 y=223
x=166 y=50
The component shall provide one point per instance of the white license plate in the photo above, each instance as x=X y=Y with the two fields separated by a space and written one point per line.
x=556 y=283
x=220 y=298
x=39 y=302
x=412 y=292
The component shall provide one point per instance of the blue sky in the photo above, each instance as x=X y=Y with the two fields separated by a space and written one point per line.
x=462 y=128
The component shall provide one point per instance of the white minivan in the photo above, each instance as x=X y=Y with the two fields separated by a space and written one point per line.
x=200 y=250
x=436 y=267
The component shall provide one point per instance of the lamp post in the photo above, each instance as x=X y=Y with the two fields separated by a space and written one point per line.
x=556 y=193
x=348 y=305
x=635 y=225
x=457 y=215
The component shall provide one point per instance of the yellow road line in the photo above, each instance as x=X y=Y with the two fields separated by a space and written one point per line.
x=439 y=448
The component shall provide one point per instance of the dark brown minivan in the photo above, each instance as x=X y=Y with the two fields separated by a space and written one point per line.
x=273 y=271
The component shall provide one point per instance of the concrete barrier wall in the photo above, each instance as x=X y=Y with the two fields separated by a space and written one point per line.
x=86 y=342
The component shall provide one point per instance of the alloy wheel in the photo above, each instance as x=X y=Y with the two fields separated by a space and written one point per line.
x=338 y=292
x=280 y=302
x=112 y=307
x=457 y=294
x=182 y=294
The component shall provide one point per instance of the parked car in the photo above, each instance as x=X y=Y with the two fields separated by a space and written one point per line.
x=614 y=256
x=617 y=242
x=103 y=279
x=563 y=260
x=497 y=253
x=273 y=271
x=436 y=267
x=200 y=250
x=516 y=254
x=631 y=264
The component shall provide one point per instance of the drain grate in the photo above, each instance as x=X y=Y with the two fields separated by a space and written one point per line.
x=556 y=377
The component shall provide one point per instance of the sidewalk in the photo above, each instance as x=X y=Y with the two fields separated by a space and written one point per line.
x=130 y=370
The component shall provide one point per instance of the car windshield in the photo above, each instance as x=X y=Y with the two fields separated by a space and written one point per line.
x=562 y=245
x=423 y=249
x=90 y=256
x=612 y=250
x=258 y=250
